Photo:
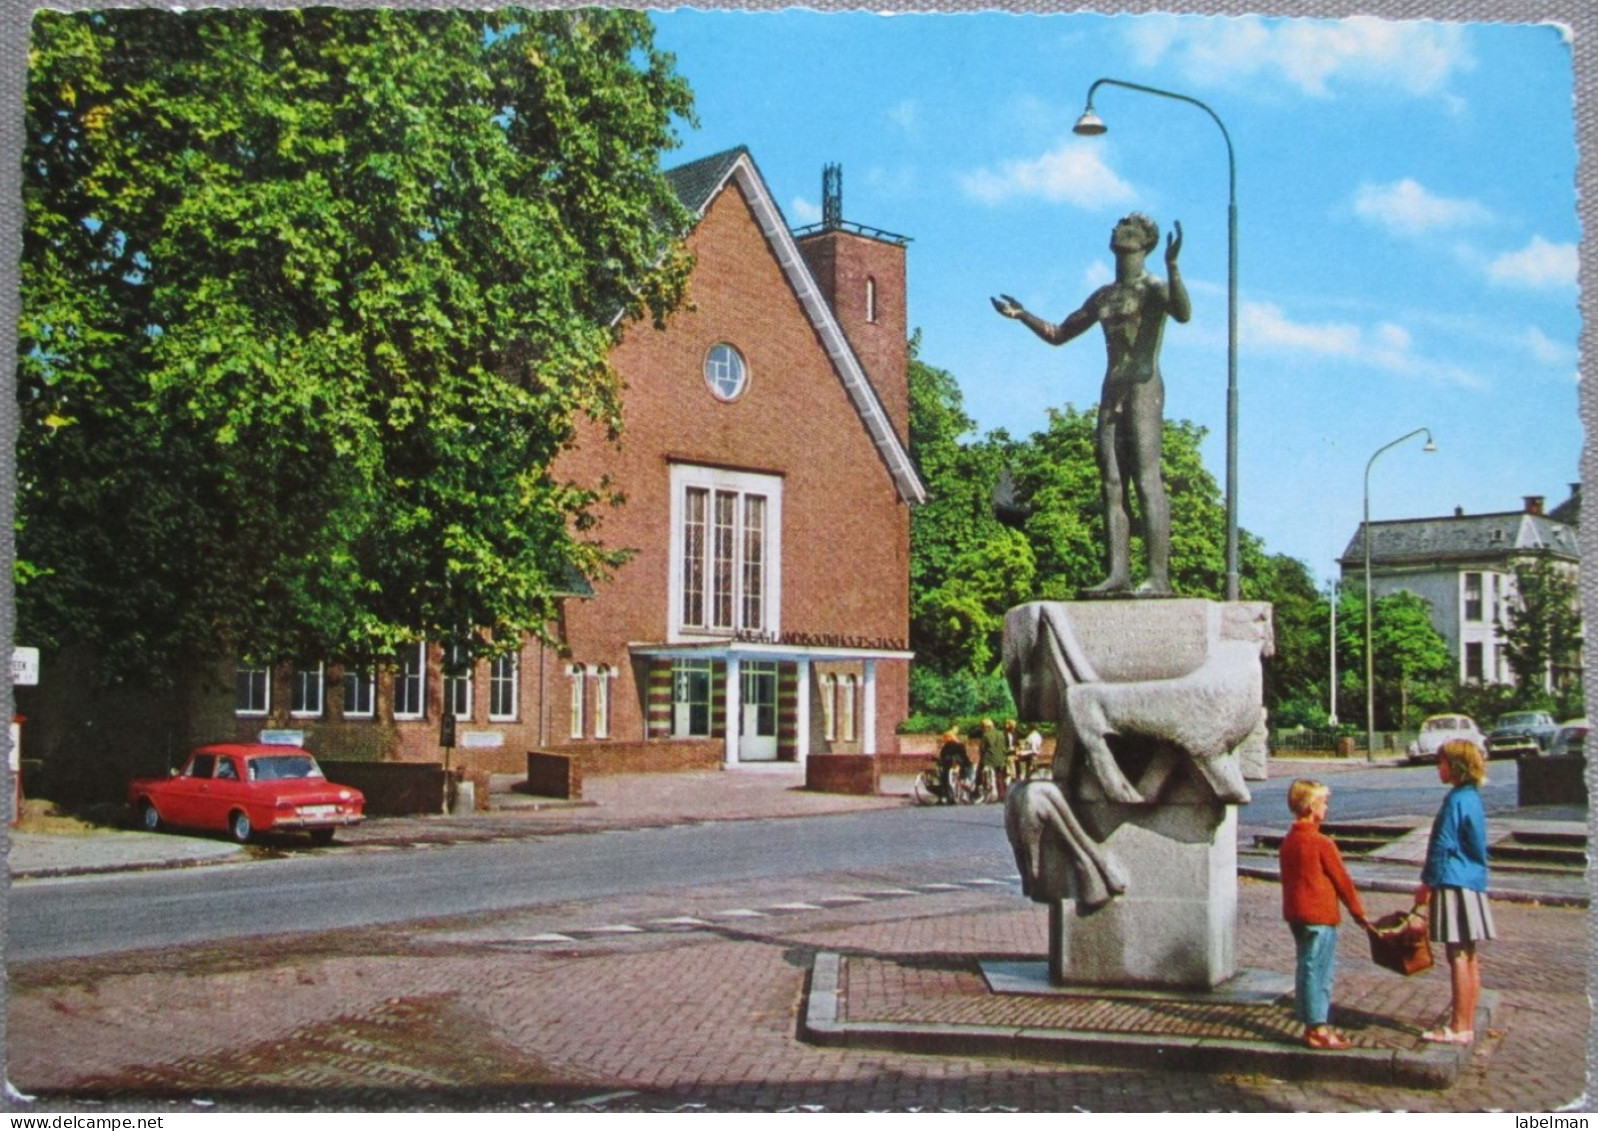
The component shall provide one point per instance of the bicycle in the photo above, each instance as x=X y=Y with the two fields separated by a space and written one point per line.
x=927 y=789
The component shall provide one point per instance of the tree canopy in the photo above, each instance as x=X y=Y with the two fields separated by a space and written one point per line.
x=1541 y=636
x=311 y=300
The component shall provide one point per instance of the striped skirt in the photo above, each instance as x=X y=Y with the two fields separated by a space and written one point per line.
x=1459 y=915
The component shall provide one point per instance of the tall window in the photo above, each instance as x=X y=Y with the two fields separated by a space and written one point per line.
x=305 y=693
x=252 y=690
x=578 y=674
x=1473 y=601
x=458 y=686
x=360 y=693
x=503 y=683
x=871 y=300
x=1475 y=669
x=410 y=682
x=829 y=707
x=602 y=677
x=726 y=554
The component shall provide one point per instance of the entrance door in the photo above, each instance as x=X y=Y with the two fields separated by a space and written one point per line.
x=757 y=738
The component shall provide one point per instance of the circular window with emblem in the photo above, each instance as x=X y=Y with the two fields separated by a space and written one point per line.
x=725 y=372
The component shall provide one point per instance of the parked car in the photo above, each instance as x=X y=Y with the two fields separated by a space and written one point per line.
x=1440 y=729
x=1521 y=732
x=1571 y=738
x=247 y=789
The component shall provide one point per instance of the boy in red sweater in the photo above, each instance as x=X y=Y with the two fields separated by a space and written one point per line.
x=1313 y=880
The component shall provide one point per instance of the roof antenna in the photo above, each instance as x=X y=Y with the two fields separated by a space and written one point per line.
x=832 y=196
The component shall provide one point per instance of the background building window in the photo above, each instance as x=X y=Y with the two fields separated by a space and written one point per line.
x=725 y=372
x=578 y=674
x=410 y=682
x=871 y=300
x=305 y=693
x=458 y=686
x=602 y=677
x=360 y=693
x=1474 y=668
x=252 y=690
x=504 y=674
x=726 y=553
x=1473 y=603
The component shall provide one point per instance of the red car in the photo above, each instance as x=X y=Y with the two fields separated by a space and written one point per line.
x=245 y=789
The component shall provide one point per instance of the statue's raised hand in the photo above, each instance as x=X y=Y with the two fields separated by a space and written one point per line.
x=1007 y=306
x=1173 y=243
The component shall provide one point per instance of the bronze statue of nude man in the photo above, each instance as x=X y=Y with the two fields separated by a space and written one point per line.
x=1132 y=311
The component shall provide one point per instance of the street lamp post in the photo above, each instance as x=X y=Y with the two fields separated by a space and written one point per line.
x=1331 y=706
x=1365 y=537
x=1089 y=124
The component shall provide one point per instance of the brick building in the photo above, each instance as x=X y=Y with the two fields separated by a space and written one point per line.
x=764 y=612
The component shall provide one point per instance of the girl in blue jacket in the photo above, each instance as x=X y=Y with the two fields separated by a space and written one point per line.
x=1454 y=883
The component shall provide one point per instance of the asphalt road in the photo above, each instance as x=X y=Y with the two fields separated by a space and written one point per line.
x=81 y=916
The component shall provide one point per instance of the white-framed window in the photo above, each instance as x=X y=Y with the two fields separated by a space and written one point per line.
x=602 y=677
x=690 y=698
x=1473 y=597
x=726 y=558
x=458 y=687
x=504 y=681
x=410 y=682
x=847 y=689
x=726 y=374
x=306 y=688
x=578 y=674
x=360 y=693
x=871 y=299
x=829 y=707
x=252 y=690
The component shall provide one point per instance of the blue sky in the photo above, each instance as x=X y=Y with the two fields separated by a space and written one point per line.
x=1407 y=225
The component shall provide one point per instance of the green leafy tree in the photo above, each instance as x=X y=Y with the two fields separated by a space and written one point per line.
x=1296 y=675
x=1409 y=654
x=1541 y=636
x=311 y=300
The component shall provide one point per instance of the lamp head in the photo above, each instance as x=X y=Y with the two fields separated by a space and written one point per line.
x=1089 y=124
x=1430 y=447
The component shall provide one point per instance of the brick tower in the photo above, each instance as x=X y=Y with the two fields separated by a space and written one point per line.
x=861 y=272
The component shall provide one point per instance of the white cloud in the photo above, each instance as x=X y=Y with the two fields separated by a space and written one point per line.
x=906 y=115
x=1539 y=264
x=804 y=212
x=1408 y=208
x=1072 y=173
x=1547 y=351
x=1098 y=273
x=1311 y=55
x=1387 y=346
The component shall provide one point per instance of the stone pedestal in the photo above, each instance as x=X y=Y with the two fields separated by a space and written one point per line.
x=1176 y=925
x=1133 y=846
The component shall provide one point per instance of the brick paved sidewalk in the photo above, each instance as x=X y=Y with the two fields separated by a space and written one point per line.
x=480 y=1014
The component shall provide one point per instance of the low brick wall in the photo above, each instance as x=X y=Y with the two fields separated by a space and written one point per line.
x=667 y=756
x=554 y=775
x=494 y=760
x=843 y=773
x=394 y=789
x=1552 y=781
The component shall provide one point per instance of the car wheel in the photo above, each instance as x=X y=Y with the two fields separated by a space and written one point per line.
x=321 y=836
x=149 y=819
x=239 y=826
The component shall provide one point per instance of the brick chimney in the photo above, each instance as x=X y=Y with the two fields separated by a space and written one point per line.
x=1534 y=504
x=861 y=273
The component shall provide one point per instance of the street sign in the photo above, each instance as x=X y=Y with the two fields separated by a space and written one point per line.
x=25 y=667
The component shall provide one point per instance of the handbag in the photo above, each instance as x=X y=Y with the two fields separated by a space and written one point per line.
x=1399 y=943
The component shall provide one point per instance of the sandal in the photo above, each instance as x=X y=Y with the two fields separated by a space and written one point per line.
x=1328 y=1040
x=1443 y=1035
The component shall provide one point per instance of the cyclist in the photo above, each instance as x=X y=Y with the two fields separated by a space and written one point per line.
x=952 y=760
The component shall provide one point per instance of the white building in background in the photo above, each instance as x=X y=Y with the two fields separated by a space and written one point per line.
x=1464 y=566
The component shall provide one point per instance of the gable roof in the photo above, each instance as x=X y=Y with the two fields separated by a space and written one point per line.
x=697 y=184
x=1416 y=541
